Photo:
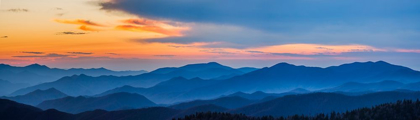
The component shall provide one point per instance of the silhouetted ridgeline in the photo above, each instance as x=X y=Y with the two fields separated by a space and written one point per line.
x=6 y=87
x=117 y=101
x=283 y=77
x=401 y=110
x=37 y=96
x=35 y=73
x=87 y=85
x=280 y=77
x=10 y=110
x=227 y=102
x=316 y=103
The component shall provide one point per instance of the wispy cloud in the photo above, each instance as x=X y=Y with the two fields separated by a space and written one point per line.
x=112 y=53
x=217 y=51
x=85 y=25
x=148 y=25
x=86 y=28
x=79 y=22
x=408 y=50
x=17 y=10
x=303 y=55
x=324 y=48
x=165 y=56
x=71 y=33
x=80 y=53
x=142 y=22
x=58 y=8
x=255 y=51
x=180 y=46
x=4 y=37
x=32 y=52
x=155 y=29
x=51 y=55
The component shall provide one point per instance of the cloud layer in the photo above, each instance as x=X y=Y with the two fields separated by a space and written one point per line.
x=268 y=14
x=255 y=23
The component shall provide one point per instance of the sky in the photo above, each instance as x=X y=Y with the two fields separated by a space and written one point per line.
x=149 y=34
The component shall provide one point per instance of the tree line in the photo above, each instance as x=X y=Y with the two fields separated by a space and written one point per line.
x=400 y=110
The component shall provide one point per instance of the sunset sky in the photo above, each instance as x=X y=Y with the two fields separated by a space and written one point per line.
x=148 y=34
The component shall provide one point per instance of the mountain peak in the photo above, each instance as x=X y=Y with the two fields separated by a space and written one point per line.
x=78 y=76
x=203 y=66
x=382 y=62
x=213 y=63
x=4 y=65
x=371 y=62
x=36 y=65
x=284 y=64
x=46 y=90
x=50 y=91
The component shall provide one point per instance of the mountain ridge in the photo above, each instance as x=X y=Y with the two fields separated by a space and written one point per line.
x=75 y=85
x=36 y=73
x=110 y=102
x=38 y=96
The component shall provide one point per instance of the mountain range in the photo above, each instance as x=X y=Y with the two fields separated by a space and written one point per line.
x=399 y=110
x=117 y=101
x=36 y=73
x=166 y=92
x=7 y=87
x=283 y=77
x=10 y=110
x=87 y=85
x=38 y=96
x=261 y=95
x=304 y=104
x=225 y=102
x=315 y=103
x=387 y=85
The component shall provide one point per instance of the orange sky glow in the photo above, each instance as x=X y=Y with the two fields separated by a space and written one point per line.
x=51 y=30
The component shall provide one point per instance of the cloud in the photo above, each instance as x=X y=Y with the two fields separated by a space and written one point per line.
x=112 y=53
x=147 y=25
x=80 y=22
x=17 y=10
x=241 y=24
x=80 y=53
x=324 y=48
x=31 y=52
x=86 y=28
x=51 y=55
x=155 y=29
x=4 y=37
x=180 y=46
x=142 y=22
x=240 y=37
x=165 y=56
x=217 y=51
x=60 y=14
x=71 y=33
x=85 y=25
x=304 y=55
x=266 y=14
x=255 y=51
x=408 y=50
